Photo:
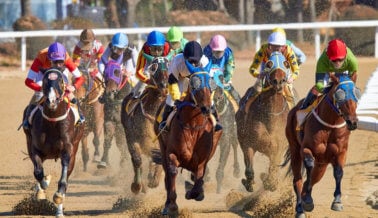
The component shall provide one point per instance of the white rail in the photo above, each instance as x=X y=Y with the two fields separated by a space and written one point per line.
x=198 y=29
x=368 y=105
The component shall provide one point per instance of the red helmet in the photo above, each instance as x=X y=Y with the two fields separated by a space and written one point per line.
x=336 y=49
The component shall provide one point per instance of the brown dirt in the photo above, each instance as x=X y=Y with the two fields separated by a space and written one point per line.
x=107 y=194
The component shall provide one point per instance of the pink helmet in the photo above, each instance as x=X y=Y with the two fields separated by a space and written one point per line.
x=218 y=43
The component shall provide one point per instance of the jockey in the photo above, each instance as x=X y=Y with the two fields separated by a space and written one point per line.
x=178 y=79
x=176 y=40
x=53 y=56
x=221 y=55
x=120 y=50
x=337 y=58
x=301 y=57
x=156 y=46
x=276 y=42
x=87 y=53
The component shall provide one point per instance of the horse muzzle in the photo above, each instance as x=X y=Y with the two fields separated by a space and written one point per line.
x=351 y=125
x=205 y=110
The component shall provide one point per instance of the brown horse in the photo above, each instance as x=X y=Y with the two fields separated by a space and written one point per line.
x=117 y=88
x=260 y=123
x=226 y=113
x=88 y=95
x=53 y=135
x=190 y=142
x=138 y=118
x=324 y=140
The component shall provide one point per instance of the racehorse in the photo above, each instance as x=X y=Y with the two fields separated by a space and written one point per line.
x=53 y=135
x=324 y=140
x=88 y=95
x=138 y=118
x=226 y=113
x=259 y=123
x=117 y=88
x=190 y=142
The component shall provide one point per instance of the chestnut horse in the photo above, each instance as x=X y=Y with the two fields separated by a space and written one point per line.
x=260 y=123
x=138 y=118
x=324 y=140
x=88 y=95
x=226 y=113
x=53 y=135
x=190 y=142
x=117 y=88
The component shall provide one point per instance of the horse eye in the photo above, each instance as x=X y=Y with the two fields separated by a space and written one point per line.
x=195 y=82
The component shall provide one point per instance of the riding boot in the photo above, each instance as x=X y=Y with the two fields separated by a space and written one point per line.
x=167 y=110
x=310 y=98
x=25 y=123
x=81 y=115
x=218 y=126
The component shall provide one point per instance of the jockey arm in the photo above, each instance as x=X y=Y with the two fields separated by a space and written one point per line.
x=301 y=57
x=229 y=66
x=79 y=79
x=257 y=60
x=290 y=56
x=141 y=63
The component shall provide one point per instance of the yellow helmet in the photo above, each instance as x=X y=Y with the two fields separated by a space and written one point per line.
x=279 y=30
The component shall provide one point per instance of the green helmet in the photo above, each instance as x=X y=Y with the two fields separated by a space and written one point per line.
x=174 y=34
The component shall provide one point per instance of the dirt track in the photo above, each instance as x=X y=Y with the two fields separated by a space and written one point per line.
x=94 y=193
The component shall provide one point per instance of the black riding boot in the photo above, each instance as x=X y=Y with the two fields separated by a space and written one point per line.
x=167 y=110
x=310 y=98
x=215 y=113
x=25 y=122
x=81 y=115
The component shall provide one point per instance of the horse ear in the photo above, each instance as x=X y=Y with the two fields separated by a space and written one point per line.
x=333 y=77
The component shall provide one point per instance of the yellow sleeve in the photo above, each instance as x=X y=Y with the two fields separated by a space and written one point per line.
x=290 y=56
x=258 y=58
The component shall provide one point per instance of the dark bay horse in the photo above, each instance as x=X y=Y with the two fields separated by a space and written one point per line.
x=190 y=142
x=325 y=139
x=53 y=135
x=260 y=123
x=117 y=88
x=226 y=113
x=138 y=118
x=88 y=95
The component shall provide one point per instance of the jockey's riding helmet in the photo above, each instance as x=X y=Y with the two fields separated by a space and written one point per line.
x=277 y=38
x=218 y=43
x=87 y=37
x=279 y=30
x=56 y=52
x=120 y=40
x=193 y=51
x=155 y=38
x=336 y=50
x=174 y=34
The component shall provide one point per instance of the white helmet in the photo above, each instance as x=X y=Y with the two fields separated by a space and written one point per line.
x=277 y=38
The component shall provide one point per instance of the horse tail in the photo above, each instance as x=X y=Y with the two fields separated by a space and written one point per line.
x=156 y=156
x=287 y=159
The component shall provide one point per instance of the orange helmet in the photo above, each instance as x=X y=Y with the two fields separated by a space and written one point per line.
x=336 y=50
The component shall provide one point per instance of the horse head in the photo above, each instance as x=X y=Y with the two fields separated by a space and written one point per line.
x=53 y=87
x=114 y=79
x=345 y=96
x=200 y=90
x=158 y=70
x=277 y=70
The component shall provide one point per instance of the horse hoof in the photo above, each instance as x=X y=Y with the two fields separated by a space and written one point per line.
x=248 y=185
x=41 y=194
x=308 y=206
x=136 y=187
x=58 y=198
x=337 y=206
x=102 y=165
x=300 y=215
x=164 y=212
x=96 y=159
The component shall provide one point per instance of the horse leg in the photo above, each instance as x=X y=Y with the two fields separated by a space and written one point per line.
x=108 y=137
x=154 y=174
x=171 y=208
x=98 y=111
x=84 y=151
x=236 y=165
x=249 y=173
x=225 y=148
x=296 y=167
x=136 y=159
x=338 y=173
x=121 y=143
x=42 y=181
x=308 y=203
x=197 y=192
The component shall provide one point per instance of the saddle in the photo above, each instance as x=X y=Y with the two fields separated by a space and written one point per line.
x=303 y=115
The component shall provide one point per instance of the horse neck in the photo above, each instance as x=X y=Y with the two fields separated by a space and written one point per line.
x=151 y=99
x=326 y=111
x=221 y=104
x=61 y=110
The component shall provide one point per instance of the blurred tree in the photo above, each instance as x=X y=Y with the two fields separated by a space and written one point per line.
x=25 y=7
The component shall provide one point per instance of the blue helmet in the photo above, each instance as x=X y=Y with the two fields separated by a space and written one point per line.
x=155 y=38
x=56 y=52
x=120 y=40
